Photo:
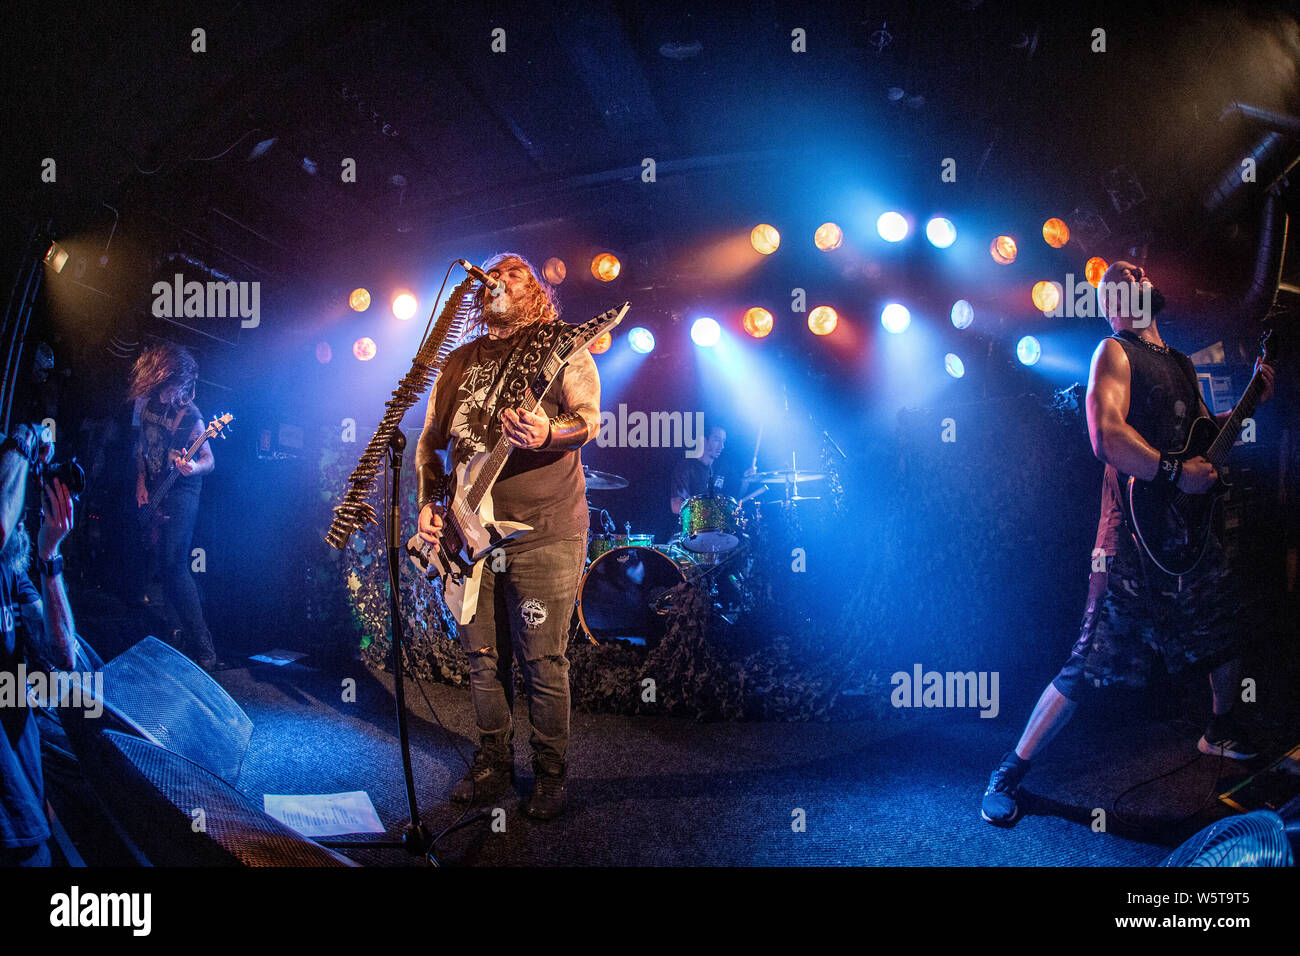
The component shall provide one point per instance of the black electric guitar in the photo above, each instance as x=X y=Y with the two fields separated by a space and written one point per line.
x=470 y=529
x=1173 y=526
x=149 y=513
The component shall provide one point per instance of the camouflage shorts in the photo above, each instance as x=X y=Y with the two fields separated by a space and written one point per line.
x=1135 y=612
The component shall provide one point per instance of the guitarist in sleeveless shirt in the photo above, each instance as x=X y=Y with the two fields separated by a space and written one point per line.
x=1142 y=400
x=527 y=592
x=163 y=381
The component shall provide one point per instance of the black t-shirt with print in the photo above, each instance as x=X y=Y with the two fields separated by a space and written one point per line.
x=159 y=436
x=544 y=489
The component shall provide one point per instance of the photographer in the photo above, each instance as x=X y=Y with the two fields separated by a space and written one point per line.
x=23 y=828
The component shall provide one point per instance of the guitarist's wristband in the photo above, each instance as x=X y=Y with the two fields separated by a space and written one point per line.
x=1170 y=469
x=568 y=431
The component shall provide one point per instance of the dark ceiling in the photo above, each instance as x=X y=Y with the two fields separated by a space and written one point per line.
x=458 y=147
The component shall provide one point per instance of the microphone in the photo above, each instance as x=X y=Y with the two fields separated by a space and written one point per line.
x=492 y=284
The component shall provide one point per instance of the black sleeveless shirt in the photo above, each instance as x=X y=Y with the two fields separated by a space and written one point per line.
x=1164 y=400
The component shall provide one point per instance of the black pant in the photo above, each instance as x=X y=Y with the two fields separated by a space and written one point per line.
x=173 y=557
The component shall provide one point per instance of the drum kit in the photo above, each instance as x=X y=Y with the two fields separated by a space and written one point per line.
x=626 y=590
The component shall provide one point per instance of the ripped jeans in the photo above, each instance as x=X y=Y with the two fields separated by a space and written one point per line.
x=524 y=614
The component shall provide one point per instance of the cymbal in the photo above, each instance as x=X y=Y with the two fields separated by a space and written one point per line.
x=602 y=480
x=788 y=477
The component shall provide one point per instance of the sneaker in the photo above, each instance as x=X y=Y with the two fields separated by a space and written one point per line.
x=1225 y=738
x=486 y=778
x=547 y=800
x=999 y=806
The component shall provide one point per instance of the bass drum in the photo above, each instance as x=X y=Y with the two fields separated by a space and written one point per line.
x=621 y=596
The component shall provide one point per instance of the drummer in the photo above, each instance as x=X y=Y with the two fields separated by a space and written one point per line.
x=701 y=476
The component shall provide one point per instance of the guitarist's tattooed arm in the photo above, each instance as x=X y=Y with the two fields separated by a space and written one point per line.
x=580 y=422
x=203 y=462
x=577 y=423
x=430 y=473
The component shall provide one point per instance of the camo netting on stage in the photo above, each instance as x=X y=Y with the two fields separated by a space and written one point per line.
x=959 y=555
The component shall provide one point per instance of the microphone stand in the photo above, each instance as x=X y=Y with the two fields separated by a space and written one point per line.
x=355 y=512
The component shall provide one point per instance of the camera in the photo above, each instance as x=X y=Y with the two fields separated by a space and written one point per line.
x=69 y=472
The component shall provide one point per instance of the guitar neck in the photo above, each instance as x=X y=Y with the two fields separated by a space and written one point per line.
x=166 y=484
x=1227 y=437
x=496 y=461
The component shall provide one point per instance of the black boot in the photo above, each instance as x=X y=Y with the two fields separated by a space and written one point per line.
x=547 y=800
x=205 y=655
x=489 y=776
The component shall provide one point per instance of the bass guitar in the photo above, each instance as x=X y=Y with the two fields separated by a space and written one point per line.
x=149 y=512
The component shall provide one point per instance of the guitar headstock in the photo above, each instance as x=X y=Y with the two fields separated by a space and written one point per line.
x=1270 y=346
x=580 y=336
x=219 y=424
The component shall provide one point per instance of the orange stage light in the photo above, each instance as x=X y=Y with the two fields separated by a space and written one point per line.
x=764 y=238
x=822 y=320
x=1046 y=296
x=758 y=322
x=606 y=267
x=828 y=236
x=1094 y=269
x=1003 y=250
x=1056 y=233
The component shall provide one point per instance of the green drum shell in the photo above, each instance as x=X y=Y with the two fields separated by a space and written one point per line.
x=598 y=544
x=710 y=523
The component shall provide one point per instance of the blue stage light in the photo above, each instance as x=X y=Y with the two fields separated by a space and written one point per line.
x=1029 y=351
x=963 y=314
x=705 y=332
x=953 y=365
x=892 y=227
x=941 y=232
x=642 y=340
x=895 y=318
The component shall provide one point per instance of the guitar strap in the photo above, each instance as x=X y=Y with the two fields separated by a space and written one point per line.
x=522 y=367
x=170 y=442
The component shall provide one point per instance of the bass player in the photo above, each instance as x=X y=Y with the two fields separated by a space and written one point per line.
x=162 y=386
